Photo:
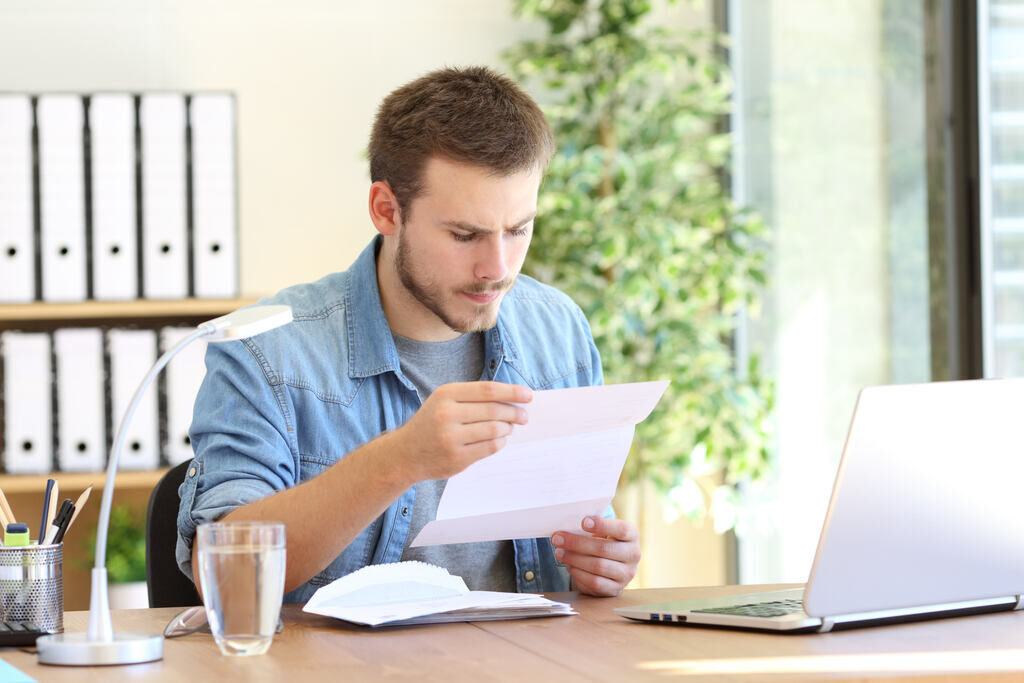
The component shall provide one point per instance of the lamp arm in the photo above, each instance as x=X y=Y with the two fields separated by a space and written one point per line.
x=103 y=523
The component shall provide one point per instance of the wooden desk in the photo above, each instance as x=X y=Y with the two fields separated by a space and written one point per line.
x=594 y=646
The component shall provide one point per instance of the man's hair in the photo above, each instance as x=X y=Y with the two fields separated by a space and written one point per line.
x=471 y=115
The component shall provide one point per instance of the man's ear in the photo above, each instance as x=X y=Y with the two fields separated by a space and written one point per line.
x=384 y=210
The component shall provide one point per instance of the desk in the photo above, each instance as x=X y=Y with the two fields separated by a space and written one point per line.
x=596 y=645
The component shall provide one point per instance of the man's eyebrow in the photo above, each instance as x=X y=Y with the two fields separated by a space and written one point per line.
x=469 y=227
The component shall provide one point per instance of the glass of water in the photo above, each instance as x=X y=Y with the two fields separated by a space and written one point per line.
x=241 y=571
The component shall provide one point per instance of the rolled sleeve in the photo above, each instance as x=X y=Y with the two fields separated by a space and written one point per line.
x=240 y=439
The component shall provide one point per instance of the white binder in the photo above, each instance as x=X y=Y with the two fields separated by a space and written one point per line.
x=17 y=241
x=60 y=120
x=132 y=355
x=184 y=374
x=114 y=243
x=214 y=195
x=28 y=386
x=81 y=433
x=164 y=222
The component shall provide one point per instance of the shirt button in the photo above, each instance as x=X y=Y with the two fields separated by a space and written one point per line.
x=528 y=576
x=405 y=511
x=493 y=364
x=191 y=472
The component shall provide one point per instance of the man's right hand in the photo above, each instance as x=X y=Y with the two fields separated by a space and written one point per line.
x=459 y=424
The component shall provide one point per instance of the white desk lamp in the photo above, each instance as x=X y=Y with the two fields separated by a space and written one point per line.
x=100 y=645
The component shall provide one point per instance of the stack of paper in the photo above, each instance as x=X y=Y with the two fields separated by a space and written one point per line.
x=418 y=593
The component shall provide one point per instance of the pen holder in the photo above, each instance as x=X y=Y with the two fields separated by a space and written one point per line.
x=32 y=585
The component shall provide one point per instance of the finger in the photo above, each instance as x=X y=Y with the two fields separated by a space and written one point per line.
x=618 y=529
x=483 y=431
x=594 y=585
x=619 y=572
x=484 y=412
x=620 y=551
x=478 y=451
x=487 y=391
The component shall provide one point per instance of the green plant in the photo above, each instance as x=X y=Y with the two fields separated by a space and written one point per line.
x=635 y=224
x=126 y=546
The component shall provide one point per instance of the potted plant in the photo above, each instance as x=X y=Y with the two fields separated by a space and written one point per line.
x=636 y=224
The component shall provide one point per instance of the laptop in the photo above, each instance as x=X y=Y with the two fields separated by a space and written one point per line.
x=926 y=518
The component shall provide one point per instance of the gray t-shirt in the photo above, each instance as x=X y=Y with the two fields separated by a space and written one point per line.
x=428 y=365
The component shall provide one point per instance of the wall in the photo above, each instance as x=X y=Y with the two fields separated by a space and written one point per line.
x=308 y=75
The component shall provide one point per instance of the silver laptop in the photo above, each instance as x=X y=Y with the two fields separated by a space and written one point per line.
x=926 y=518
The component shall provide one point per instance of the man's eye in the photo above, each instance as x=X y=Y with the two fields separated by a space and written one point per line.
x=520 y=232
x=463 y=237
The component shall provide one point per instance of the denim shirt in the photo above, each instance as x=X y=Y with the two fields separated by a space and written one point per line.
x=279 y=408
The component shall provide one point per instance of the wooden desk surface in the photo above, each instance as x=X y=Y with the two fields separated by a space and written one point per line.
x=594 y=646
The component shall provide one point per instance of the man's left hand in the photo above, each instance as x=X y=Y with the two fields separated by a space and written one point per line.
x=603 y=563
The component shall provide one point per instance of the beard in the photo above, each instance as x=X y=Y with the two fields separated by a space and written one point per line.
x=431 y=296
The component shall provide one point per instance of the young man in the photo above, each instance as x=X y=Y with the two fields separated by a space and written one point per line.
x=408 y=367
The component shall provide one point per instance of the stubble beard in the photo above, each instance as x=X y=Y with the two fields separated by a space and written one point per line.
x=429 y=295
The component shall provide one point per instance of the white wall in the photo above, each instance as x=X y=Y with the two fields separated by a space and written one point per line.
x=308 y=74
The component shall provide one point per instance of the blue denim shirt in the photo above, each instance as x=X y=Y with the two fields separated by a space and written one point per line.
x=279 y=408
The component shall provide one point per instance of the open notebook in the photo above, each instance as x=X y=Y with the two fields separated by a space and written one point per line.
x=405 y=593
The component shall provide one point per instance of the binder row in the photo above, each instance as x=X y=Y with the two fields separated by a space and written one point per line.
x=117 y=196
x=65 y=392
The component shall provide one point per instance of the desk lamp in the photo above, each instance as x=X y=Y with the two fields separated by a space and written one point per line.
x=100 y=645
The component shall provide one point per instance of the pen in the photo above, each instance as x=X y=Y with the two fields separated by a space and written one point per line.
x=52 y=510
x=60 y=522
x=46 y=506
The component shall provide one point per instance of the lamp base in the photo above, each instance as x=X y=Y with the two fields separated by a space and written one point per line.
x=75 y=649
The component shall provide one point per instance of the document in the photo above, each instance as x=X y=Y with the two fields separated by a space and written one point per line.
x=215 y=252
x=164 y=199
x=114 y=243
x=404 y=593
x=28 y=433
x=559 y=468
x=60 y=120
x=17 y=260
x=81 y=424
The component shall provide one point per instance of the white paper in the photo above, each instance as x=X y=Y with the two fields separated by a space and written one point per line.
x=419 y=593
x=554 y=471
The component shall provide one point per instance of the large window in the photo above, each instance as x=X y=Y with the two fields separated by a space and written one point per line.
x=832 y=121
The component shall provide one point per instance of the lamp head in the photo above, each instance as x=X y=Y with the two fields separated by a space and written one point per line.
x=247 y=322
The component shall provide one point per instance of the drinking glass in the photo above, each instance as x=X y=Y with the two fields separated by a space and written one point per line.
x=241 y=571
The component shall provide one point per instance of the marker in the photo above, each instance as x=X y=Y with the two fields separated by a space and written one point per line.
x=60 y=522
x=16 y=535
x=46 y=508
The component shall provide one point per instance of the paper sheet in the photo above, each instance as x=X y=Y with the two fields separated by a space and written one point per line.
x=560 y=467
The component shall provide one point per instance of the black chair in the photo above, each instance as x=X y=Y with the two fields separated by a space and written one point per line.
x=167 y=586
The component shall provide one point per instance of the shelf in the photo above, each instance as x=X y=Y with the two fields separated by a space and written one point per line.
x=78 y=481
x=139 y=308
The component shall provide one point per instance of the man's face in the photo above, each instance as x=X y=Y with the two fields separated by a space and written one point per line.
x=463 y=242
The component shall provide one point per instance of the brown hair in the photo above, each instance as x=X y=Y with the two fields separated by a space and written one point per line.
x=472 y=115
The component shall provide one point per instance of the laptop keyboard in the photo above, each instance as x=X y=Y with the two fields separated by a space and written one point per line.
x=15 y=633
x=776 y=608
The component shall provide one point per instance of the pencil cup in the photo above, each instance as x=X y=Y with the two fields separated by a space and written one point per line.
x=32 y=585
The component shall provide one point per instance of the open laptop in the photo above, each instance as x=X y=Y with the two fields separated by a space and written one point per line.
x=926 y=518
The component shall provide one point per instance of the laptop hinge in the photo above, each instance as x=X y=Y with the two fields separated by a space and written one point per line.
x=1020 y=603
x=826 y=624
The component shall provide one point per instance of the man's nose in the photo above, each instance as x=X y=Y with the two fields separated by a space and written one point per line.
x=491 y=259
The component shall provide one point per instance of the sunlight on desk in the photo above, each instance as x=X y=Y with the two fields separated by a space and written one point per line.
x=908 y=662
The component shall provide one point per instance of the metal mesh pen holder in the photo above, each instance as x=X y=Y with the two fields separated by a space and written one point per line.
x=32 y=585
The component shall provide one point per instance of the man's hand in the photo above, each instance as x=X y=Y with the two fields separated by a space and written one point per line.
x=601 y=564
x=459 y=424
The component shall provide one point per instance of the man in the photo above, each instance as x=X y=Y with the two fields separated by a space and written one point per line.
x=405 y=369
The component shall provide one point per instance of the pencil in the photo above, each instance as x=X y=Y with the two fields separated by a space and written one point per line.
x=5 y=507
x=79 y=504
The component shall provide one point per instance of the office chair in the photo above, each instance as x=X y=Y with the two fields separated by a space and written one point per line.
x=166 y=585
